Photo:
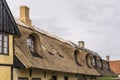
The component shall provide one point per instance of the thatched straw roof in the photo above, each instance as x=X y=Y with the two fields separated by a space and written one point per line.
x=56 y=54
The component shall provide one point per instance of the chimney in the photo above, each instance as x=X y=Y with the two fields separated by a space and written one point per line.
x=108 y=58
x=24 y=15
x=81 y=44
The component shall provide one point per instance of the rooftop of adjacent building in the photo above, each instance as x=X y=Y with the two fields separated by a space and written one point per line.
x=115 y=66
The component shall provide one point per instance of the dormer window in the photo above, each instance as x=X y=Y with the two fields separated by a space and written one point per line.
x=101 y=64
x=77 y=57
x=94 y=61
x=108 y=66
x=3 y=44
x=31 y=44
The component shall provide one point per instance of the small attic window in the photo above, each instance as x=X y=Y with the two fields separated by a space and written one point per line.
x=77 y=58
x=31 y=44
x=88 y=60
x=94 y=61
x=4 y=42
x=108 y=66
x=101 y=63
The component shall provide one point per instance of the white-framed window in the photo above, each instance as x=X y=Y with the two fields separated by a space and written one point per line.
x=31 y=44
x=94 y=61
x=36 y=78
x=23 y=78
x=4 y=42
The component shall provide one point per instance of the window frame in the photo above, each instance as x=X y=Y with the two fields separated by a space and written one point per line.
x=66 y=78
x=3 y=44
x=35 y=38
x=108 y=66
x=32 y=43
x=23 y=78
x=36 y=78
x=54 y=77
x=101 y=64
x=95 y=61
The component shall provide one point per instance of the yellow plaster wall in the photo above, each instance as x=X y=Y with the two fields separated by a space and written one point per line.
x=72 y=77
x=20 y=73
x=60 y=77
x=40 y=74
x=5 y=73
x=8 y=59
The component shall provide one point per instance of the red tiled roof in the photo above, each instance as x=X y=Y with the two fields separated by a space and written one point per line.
x=115 y=66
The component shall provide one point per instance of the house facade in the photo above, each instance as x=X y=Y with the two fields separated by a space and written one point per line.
x=30 y=53
x=8 y=31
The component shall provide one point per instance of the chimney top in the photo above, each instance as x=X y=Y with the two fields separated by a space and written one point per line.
x=81 y=44
x=24 y=15
x=108 y=58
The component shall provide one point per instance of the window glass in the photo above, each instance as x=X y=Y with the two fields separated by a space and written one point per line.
x=31 y=44
x=101 y=63
x=3 y=43
x=65 y=77
x=0 y=37
x=5 y=51
x=0 y=43
x=22 y=78
x=93 y=61
x=36 y=78
x=54 y=78
x=0 y=49
x=5 y=38
x=108 y=66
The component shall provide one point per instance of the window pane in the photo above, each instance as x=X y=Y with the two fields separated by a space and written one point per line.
x=5 y=44
x=93 y=61
x=5 y=38
x=0 y=37
x=36 y=78
x=22 y=78
x=30 y=43
x=0 y=43
x=5 y=51
x=0 y=49
x=28 y=40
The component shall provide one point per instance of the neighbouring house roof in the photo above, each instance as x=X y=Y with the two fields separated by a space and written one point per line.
x=7 y=22
x=56 y=53
x=115 y=66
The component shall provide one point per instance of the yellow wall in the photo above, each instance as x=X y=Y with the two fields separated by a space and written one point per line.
x=40 y=74
x=5 y=73
x=8 y=59
x=20 y=73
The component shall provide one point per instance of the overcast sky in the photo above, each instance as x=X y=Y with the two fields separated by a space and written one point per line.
x=97 y=22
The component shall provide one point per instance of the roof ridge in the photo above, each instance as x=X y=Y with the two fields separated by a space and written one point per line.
x=19 y=22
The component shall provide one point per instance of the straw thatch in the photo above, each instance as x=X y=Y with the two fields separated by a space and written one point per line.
x=55 y=54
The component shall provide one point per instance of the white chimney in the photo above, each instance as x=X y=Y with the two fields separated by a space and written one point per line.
x=81 y=44
x=108 y=58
